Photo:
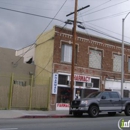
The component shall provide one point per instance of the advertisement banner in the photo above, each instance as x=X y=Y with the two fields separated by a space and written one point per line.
x=55 y=83
x=62 y=106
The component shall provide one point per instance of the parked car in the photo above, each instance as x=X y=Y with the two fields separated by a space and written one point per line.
x=97 y=102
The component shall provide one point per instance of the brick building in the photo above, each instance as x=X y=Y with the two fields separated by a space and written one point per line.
x=97 y=65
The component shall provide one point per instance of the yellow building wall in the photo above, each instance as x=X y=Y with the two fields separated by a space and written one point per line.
x=44 y=58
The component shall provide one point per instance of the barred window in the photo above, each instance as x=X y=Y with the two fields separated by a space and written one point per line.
x=116 y=63
x=21 y=83
x=95 y=59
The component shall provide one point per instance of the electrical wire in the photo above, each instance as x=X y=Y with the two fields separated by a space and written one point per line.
x=30 y=14
x=104 y=8
x=44 y=67
x=103 y=33
x=43 y=31
x=109 y=16
x=32 y=7
x=95 y=7
x=107 y=29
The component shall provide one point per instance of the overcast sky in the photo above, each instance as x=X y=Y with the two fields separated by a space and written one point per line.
x=18 y=30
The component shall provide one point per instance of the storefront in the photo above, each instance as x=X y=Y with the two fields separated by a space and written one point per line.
x=83 y=85
x=115 y=85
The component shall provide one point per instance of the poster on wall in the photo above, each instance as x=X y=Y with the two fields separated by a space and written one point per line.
x=55 y=83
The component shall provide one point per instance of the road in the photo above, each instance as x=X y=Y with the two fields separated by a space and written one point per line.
x=103 y=122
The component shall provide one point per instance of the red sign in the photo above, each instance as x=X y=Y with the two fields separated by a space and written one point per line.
x=82 y=78
x=62 y=105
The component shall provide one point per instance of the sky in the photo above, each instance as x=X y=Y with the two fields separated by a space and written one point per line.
x=102 y=18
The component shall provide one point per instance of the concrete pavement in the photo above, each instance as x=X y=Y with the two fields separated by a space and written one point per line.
x=39 y=114
x=33 y=114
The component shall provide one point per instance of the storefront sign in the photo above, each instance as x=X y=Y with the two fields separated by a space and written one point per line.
x=62 y=106
x=55 y=83
x=82 y=78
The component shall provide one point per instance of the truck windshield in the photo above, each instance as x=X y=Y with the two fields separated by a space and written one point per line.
x=94 y=95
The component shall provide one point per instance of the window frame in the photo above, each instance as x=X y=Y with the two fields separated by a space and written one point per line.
x=96 y=50
x=62 y=52
x=119 y=63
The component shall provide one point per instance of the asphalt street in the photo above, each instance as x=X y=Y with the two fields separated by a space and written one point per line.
x=102 y=122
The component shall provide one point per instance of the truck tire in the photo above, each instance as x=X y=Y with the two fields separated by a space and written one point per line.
x=127 y=110
x=93 y=111
x=111 y=113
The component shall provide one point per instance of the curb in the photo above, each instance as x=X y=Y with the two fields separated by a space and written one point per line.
x=45 y=116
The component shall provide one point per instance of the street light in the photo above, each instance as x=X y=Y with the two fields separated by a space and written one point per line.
x=122 y=63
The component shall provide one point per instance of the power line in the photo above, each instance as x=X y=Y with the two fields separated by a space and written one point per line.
x=110 y=16
x=105 y=8
x=95 y=30
x=42 y=32
x=44 y=67
x=37 y=15
x=95 y=54
x=107 y=30
x=96 y=7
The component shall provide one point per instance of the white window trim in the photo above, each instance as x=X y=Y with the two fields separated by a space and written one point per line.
x=96 y=48
x=68 y=42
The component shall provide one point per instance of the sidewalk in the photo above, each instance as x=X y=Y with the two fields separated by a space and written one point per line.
x=39 y=114
x=33 y=114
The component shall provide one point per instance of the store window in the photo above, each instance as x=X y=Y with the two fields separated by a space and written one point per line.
x=79 y=84
x=63 y=95
x=95 y=82
x=116 y=63
x=63 y=79
x=95 y=59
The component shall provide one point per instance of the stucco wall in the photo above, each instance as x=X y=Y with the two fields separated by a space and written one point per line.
x=27 y=53
x=12 y=64
x=44 y=57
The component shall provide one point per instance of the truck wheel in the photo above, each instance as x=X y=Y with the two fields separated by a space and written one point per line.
x=111 y=113
x=93 y=111
x=127 y=110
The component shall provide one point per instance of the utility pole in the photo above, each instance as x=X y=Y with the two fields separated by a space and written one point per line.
x=74 y=41
x=73 y=50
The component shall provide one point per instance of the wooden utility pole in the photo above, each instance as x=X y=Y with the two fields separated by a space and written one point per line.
x=73 y=50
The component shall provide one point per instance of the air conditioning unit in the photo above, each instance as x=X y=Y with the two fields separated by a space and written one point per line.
x=89 y=85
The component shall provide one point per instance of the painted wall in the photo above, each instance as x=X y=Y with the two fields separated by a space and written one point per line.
x=13 y=64
x=27 y=53
x=44 y=57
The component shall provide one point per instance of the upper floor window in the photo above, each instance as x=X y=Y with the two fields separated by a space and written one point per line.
x=66 y=55
x=116 y=63
x=129 y=64
x=95 y=59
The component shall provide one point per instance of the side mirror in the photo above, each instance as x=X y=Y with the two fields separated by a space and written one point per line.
x=103 y=97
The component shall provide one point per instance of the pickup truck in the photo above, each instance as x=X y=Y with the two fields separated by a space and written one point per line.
x=97 y=102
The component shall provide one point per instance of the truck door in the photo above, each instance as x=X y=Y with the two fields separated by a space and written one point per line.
x=116 y=101
x=105 y=102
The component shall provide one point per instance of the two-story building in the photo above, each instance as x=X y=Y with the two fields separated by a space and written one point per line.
x=97 y=65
